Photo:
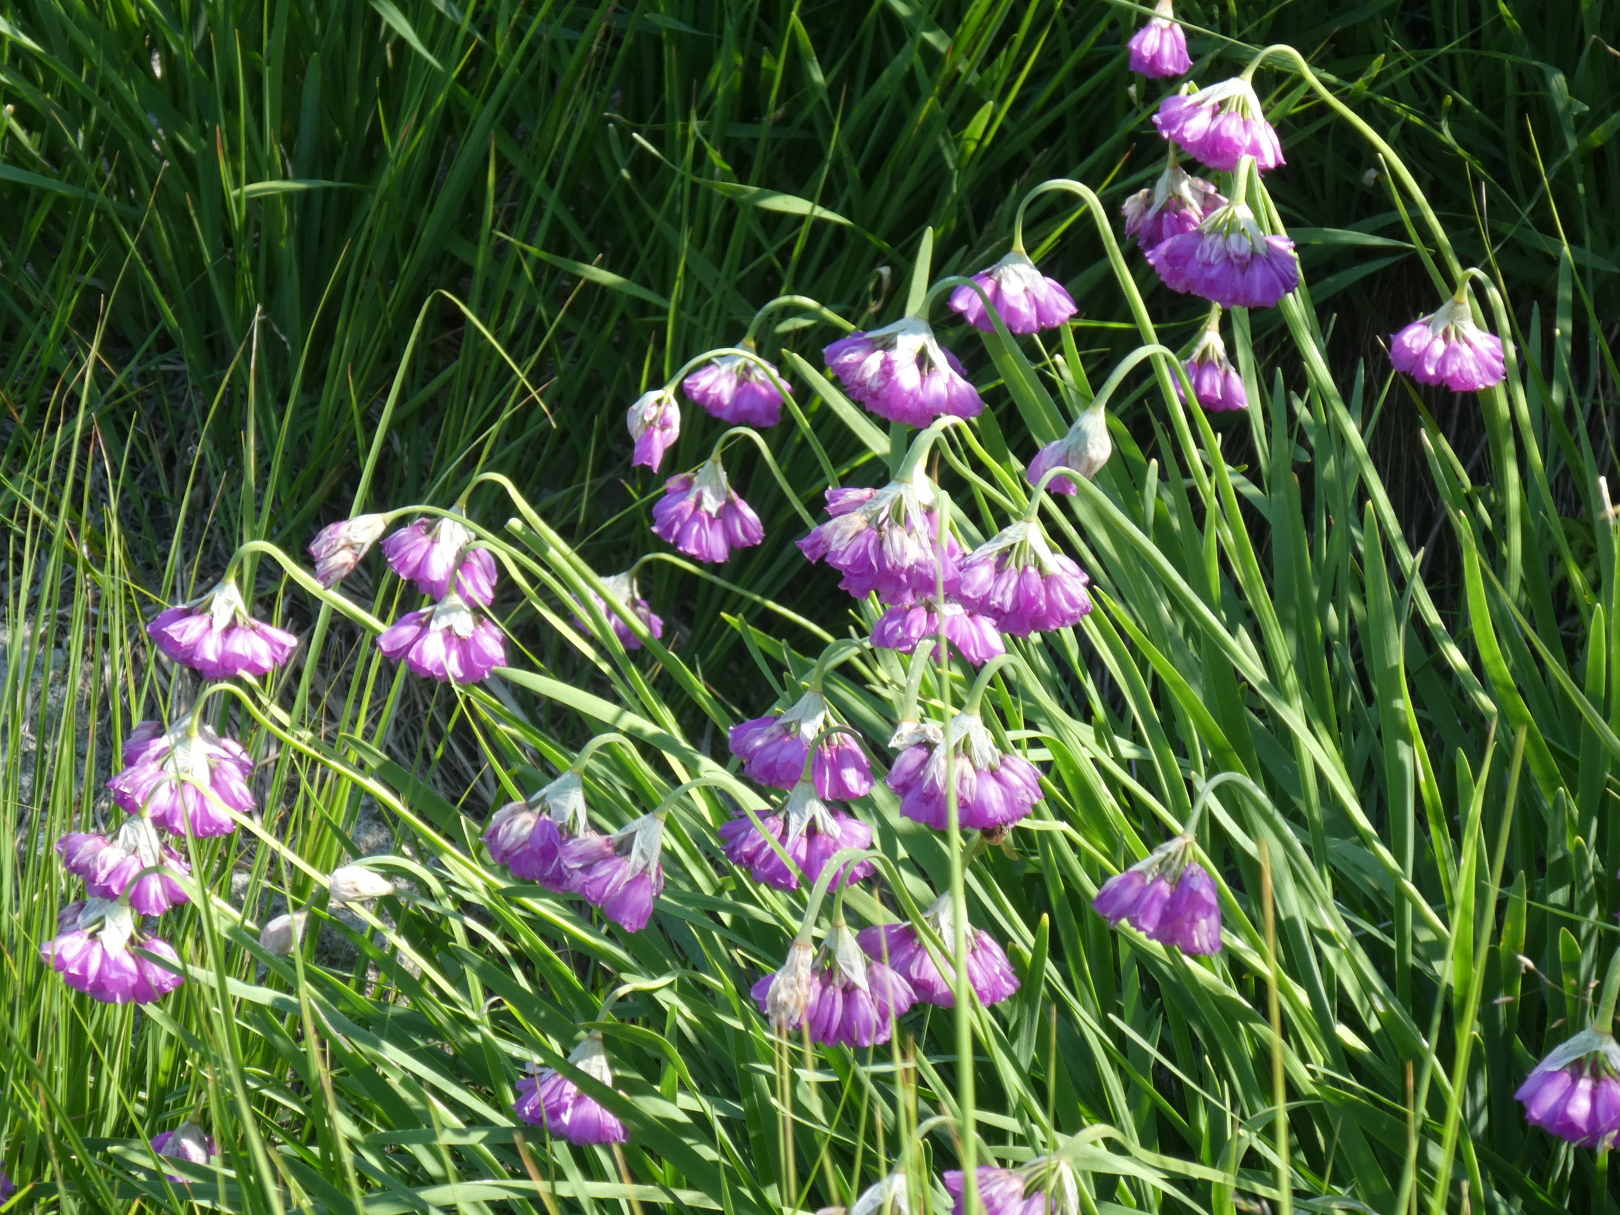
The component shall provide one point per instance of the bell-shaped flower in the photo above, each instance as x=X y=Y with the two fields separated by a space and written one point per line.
x=187 y=780
x=1217 y=386
x=1159 y=48
x=1022 y=584
x=902 y=948
x=1574 y=1092
x=434 y=553
x=528 y=837
x=215 y=635
x=808 y=830
x=623 y=590
x=654 y=422
x=736 y=390
x=447 y=641
x=1168 y=897
x=1177 y=202
x=1026 y=300
x=970 y=633
x=1220 y=125
x=1228 y=260
x=902 y=373
x=1446 y=347
x=994 y=789
x=338 y=547
x=885 y=540
x=95 y=951
x=1083 y=450
x=548 y=1098
x=134 y=861
x=620 y=874
x=701 y=515
x=846 y=1000
x=774 y=749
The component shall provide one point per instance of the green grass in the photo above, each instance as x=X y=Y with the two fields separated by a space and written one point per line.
x=270 y=260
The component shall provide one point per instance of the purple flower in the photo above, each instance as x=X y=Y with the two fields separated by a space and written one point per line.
x=448 y=641
x=189 y=1143
x=1044 y=1186
x=338 y=547
x=618 y=873
x=429 y=554
x=1177 y=202
x=7 y=1188
x=808 y=830
x=907 y=625
x=1574 y=1092
x=1220 y=125
x=1228 y=260
x=993 y=789
x=901 y=947
x=135 y=860
x=623 y=591
x=1083 y=450
x=1216 y=384
x=774 y=749
x=1026 y=299
x=1168 y=897
x=1446 y=347
x=654 y=421
x=1159 y=48
x=701 y=515
x=215 y=635
x=549 y=1099
x=94 y=951
x=737 y=390
x=1020 y=583
x=885 y=540
x=844 y=998
x=187 y=781
x=902 y=373
x=528 y=836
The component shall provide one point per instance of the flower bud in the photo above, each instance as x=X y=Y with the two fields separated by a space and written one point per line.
x=357 y=884
x=283 y=933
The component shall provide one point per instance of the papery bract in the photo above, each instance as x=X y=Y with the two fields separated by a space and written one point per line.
x=808 y=830
x=623 y=590
x=736 y=390
x=1177 y=202
x=528 y=836
x=215 y=635
x=901 y=947
x=134 y=860
x=95 y=951
x=1446 y=347
x=1044 y=1186
x=993 y=789
x=338 y=547
x=447 y=641
x=902 y=373
x=701 y=515
x=549 y=1099
x=1220 y=125
x=189 y=1142
x=1228 y=260
x=1027 y=300
x=357 y=884
x=654 y=422
x=187 y=780
x=1083 y=450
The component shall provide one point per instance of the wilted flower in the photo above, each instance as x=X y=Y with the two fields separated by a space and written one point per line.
x=447 y=641
x=1574 y=1092
x=94 y=951
x=774 y=748
x=907 y=625
x=1220 y=125
x=1177 y=202
x=808 y=830
x=1026 y=299
x=528 y=836
x=338 y=547
x=993 y=789
x=902 y=373
x=1216 y=384
x=1083 y=450
x=618 y=873
x=432 y=553
x=548 y=1098
x=701 y=515
x=736 y=390
x=189 y=1143
x=788 y=992
x=187 y=779
x=134 y=860
x=1168 y=897
x=1020 y=583
x=902 y=948
x=885 y=540
x=846 y=999
x=215 y=635
x=1228 y=260
x=1044 y=1186
x=1446 y=347
x=1159 y=48
x=357 y=884
x=654 y=421
x=282 y=934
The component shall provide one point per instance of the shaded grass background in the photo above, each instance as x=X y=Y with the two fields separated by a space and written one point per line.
x=231 y=220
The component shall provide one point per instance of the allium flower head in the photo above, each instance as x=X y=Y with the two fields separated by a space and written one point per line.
x=623 y=590
x=847 y=999
x=549 y=1099
x=1228 y=260
x=1446 y=347
x=654 y=422
x=885 y=540
x=134 y=861
x=1083 y=450
x=338 y=547
x=701 y=515
x=1220 y=125
x=620 y=873
x=215 y=635
x=94 y=951
x=774 y=748
x=1025 y=298
x=447 y=641
x=1020 y=582
x=189 y=1142
x=736 y=390
x=902 y=948
x=808 y=830
x=187 y=780
x=1574 y=1092
x=971 y=634
x=1044 y=1186
x=902 y=373
x=528 y=836
x=1177 y=202
x=1217 y=386
x=784 y=997
x=1168 y=897
x=7 y=1187
x=433 y=553
x=1159 y=48
x=993 y=789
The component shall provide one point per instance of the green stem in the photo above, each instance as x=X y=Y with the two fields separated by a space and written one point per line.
x=1604 y=1020
x=802 y=302
x=982 y=680
x=838 y=652
x=758 y=440
x=921 y=445
x=596 y=743
x=747 y=353
x=307 y=581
